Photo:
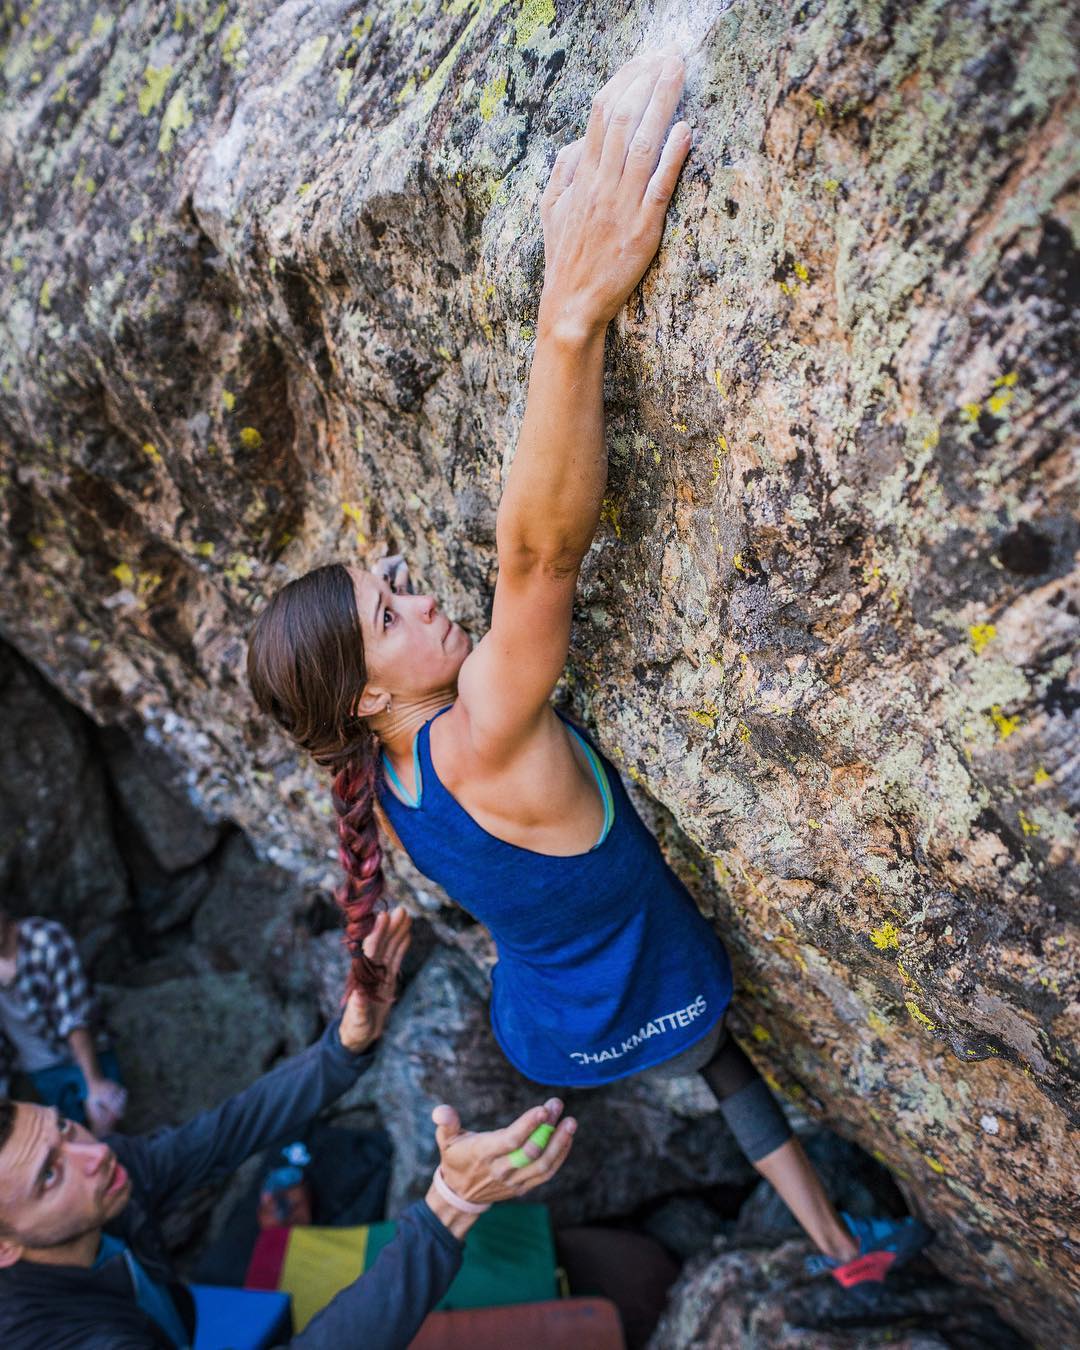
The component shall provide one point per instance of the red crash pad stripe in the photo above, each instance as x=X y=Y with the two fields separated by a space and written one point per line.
x=583 y=1323
x=264 y=1268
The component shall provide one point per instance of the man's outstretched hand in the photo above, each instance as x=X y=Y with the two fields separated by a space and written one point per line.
x=363 y=1020
x=481 y=1168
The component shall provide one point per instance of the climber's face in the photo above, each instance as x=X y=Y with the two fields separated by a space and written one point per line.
x=411 y=649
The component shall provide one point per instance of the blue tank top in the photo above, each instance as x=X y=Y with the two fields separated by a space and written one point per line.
x=606 y=966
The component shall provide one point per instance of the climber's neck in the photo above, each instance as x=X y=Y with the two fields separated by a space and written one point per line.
x=397 y=727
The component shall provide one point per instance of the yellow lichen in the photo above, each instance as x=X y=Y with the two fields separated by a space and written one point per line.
x=250 y=438
x=1005 y=725
x=611 y=512
x=534 y=14
x=831 y=185
x=124 y=575
x=1006 y=381
x=931 y=439
x=997 y=403
x=177 y=118
x=919 y=1015
x=231 y=44
x=934 y=1164
x=151 y=451
x=1028 y=826
x=885 y=937
x=229 y=399
x=1040 y=776
x=740 y=566
x=801 y=271
x=705 y=716
x=814 y=824
x=760 y=1034
x=981 y=635
x=877 y=1022
x=492 y=95
x=205 y=549
x=45 y=296
x=239 y=569
x=971 y=411
x=153 y=91
x=216 y=19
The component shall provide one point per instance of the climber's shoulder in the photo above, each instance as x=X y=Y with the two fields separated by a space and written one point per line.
x=483 y=735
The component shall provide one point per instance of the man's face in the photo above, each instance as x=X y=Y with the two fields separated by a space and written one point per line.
x=57 y=1183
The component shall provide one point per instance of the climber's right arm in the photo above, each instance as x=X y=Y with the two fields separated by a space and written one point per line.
x=603 y=215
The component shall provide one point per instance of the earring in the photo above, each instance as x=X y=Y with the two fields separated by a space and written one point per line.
x=387 y=708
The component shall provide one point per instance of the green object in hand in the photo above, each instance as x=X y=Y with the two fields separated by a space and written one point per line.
x=539 y=1137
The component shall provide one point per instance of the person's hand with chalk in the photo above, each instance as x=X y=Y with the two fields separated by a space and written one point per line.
x=476 y=1170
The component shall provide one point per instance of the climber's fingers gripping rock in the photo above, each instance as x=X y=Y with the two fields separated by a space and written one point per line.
x=603 y=209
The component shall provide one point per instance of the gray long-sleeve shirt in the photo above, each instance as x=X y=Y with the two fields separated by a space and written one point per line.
x=45 y=1307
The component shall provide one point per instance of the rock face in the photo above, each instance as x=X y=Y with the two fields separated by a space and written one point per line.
x=759 y=1298
x=187 y=1044
x=270 y=274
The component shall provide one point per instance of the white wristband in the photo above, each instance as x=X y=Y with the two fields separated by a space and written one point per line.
x=452 y=1197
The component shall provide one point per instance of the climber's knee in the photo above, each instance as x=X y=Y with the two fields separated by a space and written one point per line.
x=752 y=1112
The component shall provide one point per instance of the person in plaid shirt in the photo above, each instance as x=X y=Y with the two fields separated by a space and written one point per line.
x=47 y=1021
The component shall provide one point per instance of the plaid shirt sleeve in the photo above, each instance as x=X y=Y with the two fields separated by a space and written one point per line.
x=68 y=1003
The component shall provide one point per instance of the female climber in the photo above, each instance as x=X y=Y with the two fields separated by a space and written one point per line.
x=606 y=967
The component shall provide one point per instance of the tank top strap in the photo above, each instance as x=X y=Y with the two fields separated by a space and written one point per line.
x=602 y=781
x=422 y=767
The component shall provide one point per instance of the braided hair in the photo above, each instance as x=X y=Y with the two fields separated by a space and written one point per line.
x=306 y=669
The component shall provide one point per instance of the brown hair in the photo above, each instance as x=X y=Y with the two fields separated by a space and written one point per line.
x=306 y=668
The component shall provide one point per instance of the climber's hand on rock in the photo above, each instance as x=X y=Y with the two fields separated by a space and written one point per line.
x=363 y=1020
x=604 y=206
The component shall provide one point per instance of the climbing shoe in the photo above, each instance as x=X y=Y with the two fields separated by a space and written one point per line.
x=884 y=1245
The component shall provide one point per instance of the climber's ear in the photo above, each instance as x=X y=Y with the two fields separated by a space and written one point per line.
x=372 y=701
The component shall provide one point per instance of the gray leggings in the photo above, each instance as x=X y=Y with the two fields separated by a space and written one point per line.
x=752 y=1113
